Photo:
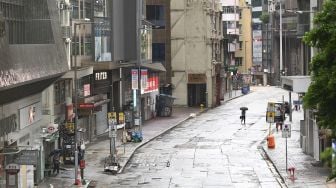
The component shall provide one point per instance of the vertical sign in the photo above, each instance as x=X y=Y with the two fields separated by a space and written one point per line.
x=86 y=90
x=144 y=78
x=135 y=78
x=121 y=118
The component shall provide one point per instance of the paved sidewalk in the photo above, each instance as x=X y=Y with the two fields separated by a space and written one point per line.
x=306 y=175
x=99 y=149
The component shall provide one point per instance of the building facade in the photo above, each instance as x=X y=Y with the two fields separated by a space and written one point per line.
x=32 y=58
x=230 y=19
x=196 y=53
x=244 y=52
x=158 y=14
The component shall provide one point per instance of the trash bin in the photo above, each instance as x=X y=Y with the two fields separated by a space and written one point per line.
x=165 y=104
x=244 y=90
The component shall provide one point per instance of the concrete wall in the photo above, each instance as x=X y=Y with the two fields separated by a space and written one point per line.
x=33 y=130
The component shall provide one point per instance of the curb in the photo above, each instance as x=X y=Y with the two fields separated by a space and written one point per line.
x=271 y=161
x=168 y=129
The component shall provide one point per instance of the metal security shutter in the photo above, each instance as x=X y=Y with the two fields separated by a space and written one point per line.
x=101 y=120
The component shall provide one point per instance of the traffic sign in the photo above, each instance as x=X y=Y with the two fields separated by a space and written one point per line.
x=270 y=116
x=286 y=131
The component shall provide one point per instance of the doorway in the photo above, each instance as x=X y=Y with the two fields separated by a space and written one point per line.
x=196 y=94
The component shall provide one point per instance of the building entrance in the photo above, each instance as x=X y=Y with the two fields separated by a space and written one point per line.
x=196 y=94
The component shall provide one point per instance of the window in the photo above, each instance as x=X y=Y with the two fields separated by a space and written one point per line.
x=156 y=15
x=256 y=14
x=256 y=3
x=28 y=22
x=239 y=61
x=228 y=10
x=159 y=52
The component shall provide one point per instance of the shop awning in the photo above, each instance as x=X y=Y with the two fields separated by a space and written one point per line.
x=297 y=84
x=157 y=66
x=81 y=72
x=93 y=104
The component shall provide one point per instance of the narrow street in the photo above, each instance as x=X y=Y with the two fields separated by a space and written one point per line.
x=211 y=150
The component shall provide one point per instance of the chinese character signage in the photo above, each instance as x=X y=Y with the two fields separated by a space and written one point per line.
x=144 y=78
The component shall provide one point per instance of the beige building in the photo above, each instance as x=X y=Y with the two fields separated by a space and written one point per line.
x=196 y=52
x=244 y=52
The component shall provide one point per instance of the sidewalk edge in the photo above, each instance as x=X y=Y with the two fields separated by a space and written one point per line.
x=271 y=161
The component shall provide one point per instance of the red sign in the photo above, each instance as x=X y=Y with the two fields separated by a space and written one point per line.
x=86 y=105
x=152 y=84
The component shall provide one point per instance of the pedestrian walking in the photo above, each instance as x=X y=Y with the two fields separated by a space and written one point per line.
x=56 y=154
x=243 y=114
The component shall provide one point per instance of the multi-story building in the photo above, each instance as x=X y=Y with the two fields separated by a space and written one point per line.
x=32 y=58
x=230 y=19
x=196 y=52
x=244 y=52
x=158 y=13
x=257 y=69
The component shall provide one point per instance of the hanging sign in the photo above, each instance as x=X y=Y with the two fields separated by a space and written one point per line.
x=144 y=79
x=135 y=78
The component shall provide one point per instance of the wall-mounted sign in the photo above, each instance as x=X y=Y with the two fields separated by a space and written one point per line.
x=26 y=157
x=196 y=78
x=30 y=114
x=101 y=75
x=86 y=105
x=152 y=85
x=86 y=90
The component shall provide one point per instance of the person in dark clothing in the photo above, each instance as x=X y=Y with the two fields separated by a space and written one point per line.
x=243 y=115
x=56 y=154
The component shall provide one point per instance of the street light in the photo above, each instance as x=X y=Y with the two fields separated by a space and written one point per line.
x=86 y=21
x=280 y=70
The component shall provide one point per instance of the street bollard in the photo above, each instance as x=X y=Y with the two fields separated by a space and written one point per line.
x=270 y=141
x=291 y=173
x=202 y=107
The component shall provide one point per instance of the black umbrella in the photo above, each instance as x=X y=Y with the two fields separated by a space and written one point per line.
x=243 y=108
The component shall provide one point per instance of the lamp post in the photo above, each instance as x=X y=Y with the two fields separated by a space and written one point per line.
x=138 y=120
x=280 y=42
x=76 y=99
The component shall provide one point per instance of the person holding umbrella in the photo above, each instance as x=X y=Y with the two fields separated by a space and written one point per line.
x=243 y=114
x=56 y=154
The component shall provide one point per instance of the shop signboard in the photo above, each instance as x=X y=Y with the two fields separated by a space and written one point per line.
x=111 y=117
x=135 y=78
x=144 y=79
x=26 y=157
x=121 y=118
